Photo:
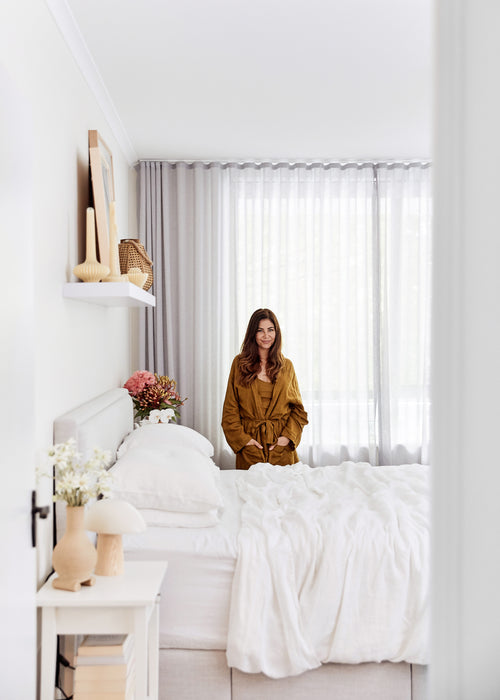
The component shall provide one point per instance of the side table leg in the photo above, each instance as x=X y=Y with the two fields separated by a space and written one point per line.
x=48 y=654
x=153 y=650
x=141 y=652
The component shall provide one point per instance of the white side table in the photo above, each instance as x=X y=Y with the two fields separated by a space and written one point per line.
x=114 y=605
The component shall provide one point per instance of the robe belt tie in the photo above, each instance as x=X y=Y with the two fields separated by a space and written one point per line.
x=265 y=430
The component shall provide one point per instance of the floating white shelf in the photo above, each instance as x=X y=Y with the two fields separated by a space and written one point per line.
x=108 y=293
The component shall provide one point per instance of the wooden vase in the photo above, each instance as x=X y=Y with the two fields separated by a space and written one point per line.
x=74 y=556
x=91 y=270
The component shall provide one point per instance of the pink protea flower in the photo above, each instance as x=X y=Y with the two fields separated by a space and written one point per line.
x=139 y=381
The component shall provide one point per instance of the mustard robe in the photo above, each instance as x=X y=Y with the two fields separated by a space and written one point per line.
x=243 y=418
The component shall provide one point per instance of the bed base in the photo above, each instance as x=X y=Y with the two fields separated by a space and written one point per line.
x=190 y=674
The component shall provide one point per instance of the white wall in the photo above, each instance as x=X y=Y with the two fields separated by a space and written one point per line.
x=81 y=349
x=466 y=362
x=17 y=591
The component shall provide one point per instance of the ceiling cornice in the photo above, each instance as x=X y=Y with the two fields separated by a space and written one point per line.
x=70 y=30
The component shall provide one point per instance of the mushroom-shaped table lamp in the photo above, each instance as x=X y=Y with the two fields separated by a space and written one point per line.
x=111 y=519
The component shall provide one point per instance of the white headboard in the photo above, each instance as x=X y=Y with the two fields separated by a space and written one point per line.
x=101 y=422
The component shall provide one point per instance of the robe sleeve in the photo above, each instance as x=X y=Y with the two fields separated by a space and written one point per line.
x=232 y=426
x=298 y=416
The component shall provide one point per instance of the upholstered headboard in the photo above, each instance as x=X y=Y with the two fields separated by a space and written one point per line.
x=101 y=422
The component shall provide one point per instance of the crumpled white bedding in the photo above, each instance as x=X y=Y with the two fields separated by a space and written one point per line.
x=333 y=566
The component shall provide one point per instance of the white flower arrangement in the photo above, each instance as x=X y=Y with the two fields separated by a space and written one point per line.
x=76 y=482
x=159 y=416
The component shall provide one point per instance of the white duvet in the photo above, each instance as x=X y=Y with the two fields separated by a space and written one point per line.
x=333 y=566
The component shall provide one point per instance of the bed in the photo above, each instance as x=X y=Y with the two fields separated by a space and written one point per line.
x=360 y=629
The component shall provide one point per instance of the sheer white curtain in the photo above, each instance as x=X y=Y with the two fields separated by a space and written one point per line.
x=341 y=254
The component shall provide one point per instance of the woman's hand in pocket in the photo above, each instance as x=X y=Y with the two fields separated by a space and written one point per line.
x=282 y=441
x=254 y=442
x=253 y=452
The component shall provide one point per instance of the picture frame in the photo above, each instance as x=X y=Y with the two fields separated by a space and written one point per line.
x=103 y=190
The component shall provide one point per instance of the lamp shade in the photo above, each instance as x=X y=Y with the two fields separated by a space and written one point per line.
x=114 y=517
x=111 y=519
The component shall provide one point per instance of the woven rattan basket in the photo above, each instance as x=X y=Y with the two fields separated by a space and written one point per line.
x=133 y=254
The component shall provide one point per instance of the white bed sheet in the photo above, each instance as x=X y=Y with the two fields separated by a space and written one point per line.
x=196 y=592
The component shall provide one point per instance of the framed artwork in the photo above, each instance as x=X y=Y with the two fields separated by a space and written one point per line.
x=103 y=189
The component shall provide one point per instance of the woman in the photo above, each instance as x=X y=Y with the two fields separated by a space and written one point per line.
x=263 y=415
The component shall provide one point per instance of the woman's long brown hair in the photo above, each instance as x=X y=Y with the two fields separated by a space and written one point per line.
x=249 y=359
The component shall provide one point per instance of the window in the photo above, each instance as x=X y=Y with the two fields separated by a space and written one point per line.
x=340 y=252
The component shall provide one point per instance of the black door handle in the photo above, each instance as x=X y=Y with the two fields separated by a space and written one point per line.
x=42 y=511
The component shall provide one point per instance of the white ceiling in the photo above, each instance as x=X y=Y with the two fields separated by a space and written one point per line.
x=266 y=79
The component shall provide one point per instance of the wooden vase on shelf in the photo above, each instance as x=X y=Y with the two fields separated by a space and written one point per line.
x=74 y=556
x=114 y=260
x=91 y=270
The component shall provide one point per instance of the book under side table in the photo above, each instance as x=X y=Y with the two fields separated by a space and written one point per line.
x=125 y=604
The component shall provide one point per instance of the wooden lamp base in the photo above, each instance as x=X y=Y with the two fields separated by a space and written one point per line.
x=109 y=555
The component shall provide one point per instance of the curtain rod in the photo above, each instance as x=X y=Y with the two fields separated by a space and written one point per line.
x=341 y=164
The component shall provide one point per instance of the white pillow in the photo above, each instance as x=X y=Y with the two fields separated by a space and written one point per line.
x=169 y=434
x=164 y=518
x=169 y=478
